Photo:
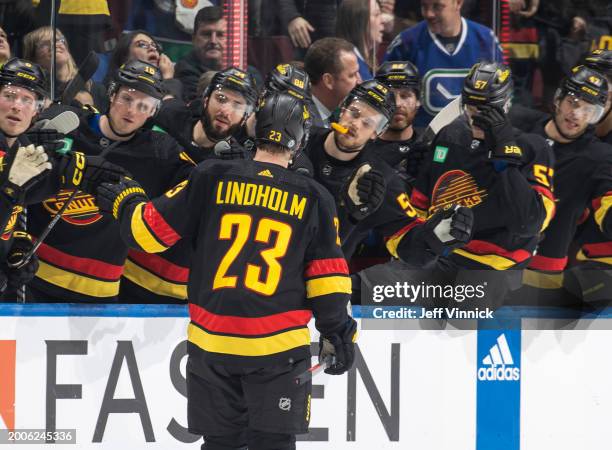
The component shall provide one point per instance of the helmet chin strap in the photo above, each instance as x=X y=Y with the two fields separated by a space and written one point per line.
x=349 y=150
x=115 y=132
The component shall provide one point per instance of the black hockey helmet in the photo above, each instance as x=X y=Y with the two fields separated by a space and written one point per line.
x=378 y=96
x=488 y=83
x=290 y=79
x=400 y=75
x=600 y=60
x=282 y=119
x=141 y=76
x=237 y=80
x=26 y=74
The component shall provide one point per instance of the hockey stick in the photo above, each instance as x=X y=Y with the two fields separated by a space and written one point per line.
x=86 y=70
x=446 y=115
x=26 y=258
x=307 y=375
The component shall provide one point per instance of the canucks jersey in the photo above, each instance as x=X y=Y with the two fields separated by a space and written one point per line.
x=511 y=207
x=266 y=257
x=83 y=257
x=442 y=72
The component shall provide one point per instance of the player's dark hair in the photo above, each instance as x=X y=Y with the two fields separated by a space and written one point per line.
x=323 y=56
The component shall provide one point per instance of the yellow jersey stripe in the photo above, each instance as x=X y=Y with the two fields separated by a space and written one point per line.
x=142 y=235
x=328 y=285
x=241 y=346
x=77 y=283
x=151 y=282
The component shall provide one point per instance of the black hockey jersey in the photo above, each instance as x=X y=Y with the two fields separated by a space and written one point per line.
x=511 y=207
x=266 y=256
x=83 y=257
x=583 y=178
x=395 y=217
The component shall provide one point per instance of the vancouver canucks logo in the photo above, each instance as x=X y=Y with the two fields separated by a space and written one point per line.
x=81 y=211
x=456 y=187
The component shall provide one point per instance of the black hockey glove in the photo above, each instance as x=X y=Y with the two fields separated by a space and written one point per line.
x=86 y=173
x=226 y=150
x=113 y=197
x=448 y=229
x=339 y=348
x=364 y=192
x=51 y=140
x=499 y=135
x=26 y=166
x=17 y=277
x=414 y=159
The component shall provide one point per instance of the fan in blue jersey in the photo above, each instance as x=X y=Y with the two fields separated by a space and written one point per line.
x=443 y=47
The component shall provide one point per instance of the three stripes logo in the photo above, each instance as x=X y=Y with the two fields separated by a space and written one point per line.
x=498 y=364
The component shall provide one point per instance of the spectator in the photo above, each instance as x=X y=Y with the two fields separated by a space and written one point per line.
x=209 y=42
x=141 y=45
x=443 y=47
x=332 y=67
x=5 y=47
x=360 y=23
x=37 y=48
x=307 y=21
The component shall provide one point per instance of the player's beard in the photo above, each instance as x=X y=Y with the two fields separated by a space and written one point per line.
x=214 y=135
x=345 y=149
x=406 y=122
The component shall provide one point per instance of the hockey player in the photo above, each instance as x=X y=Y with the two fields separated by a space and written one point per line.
x=444 y=46
x=368 y=192
x=583 y=167
x=397 y=145
x=83 y=257
x=22 y=93
x=227 y=103
x=505 y=176
x=267 y=258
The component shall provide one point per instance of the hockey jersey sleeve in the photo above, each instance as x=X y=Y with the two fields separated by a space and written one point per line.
x=602 y=199
x=525 y=193
x=157 y=225
x=328 y=285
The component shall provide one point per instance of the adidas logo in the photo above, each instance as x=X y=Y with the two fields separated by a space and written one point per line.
x=498 y=360
x=266 y=173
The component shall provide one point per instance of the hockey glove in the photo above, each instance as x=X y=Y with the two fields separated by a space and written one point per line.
x=51 y=140
x=27 y=166
x=414 y=159
x=86 y=173
x=112 y=198
x=364 y=192
x=499 y=136
x=339 y=348
x=448 y=229
x=17 y=277
x=227 y=151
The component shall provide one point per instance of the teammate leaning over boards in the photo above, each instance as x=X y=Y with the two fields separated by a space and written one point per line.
x=266 y=257
x=226 y=104
x=83 y=257
x=505 y=176
x=582 y=172
x=368 y=192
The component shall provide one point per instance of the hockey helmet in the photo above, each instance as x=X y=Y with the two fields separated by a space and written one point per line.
x=23 y=73
x=600 y=60
x=237 y=80
x=588 y=85
x=141 y=76
x=488 y=83
x=283 y=120
x=290 y=79
x=400 y=75
x=378 y=96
